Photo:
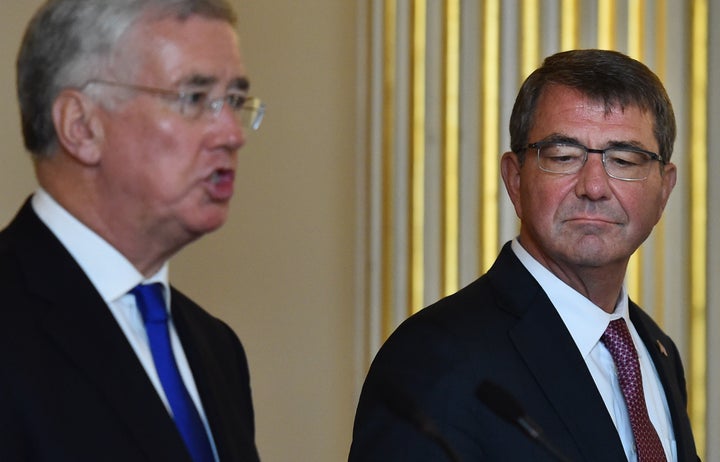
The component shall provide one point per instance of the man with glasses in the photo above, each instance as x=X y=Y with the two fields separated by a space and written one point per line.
x=545 y=358
x=134 y=112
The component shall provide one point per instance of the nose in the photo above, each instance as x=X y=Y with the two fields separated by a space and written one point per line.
x=593 y=181
x=229 y=127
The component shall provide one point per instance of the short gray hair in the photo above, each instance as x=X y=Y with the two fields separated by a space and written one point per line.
x=69 y=42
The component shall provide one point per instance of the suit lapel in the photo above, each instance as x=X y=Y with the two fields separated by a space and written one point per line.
x=552 y=357
x=78 y=321
x=233 y=440
x=667 y=363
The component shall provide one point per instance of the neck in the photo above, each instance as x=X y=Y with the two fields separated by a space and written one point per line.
x=602 y=286
x=146 y=250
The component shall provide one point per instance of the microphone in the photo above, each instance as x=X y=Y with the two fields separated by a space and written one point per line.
x=402 y=405
x=502 y=404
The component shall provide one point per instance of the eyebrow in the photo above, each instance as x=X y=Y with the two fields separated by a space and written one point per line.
x=559 y=138
x=200 y=80
x=240 y=83
x=617 y=144
x=631 y=144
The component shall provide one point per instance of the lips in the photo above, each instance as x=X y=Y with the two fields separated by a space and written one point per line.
x=220 y=184
x=590 y=225
x=592 y=215
x=592 y=220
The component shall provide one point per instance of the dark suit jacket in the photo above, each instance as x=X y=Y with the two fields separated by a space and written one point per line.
x=71 y=387
x=502 y=328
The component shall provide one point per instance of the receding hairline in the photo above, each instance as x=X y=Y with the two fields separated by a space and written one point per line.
x=130 y=46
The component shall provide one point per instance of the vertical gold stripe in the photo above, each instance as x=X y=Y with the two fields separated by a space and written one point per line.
x=636 y=31
x=417 y=147
x=489 y=133
x=569 y=20
x=633 y=276
x=661 y=36
x=659 y=250
x=451 y=153
x=530 y=36
x=389 y=74
x=369 y=238
x=606 y=32
x=698 y=221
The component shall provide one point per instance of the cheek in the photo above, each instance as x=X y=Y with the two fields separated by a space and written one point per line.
x=158 y=159
x=643 y=211
x=165 y=147
x=540 y=199
x=163 y=138
x=154 y=130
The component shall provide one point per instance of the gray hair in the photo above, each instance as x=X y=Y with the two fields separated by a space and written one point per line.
x=69 y=42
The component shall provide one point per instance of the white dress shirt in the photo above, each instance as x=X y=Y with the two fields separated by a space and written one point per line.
x=113 y=276
x=587 y=323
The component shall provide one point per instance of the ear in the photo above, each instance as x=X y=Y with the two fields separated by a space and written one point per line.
x=510 y=170
x=78 y=128
x=669 y=178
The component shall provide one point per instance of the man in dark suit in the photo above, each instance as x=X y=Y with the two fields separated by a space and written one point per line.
x=134 y=113
x=536 y=338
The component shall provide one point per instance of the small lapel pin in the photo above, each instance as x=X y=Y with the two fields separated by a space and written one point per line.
x=661 y=347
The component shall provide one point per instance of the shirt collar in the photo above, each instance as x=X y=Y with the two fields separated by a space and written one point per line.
x=585 y=320
x=109 y=271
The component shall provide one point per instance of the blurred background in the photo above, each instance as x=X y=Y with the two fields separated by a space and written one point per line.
x=372 y=189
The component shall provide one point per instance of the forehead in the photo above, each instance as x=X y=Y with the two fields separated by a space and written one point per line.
x=172 y=51
x=567 y=111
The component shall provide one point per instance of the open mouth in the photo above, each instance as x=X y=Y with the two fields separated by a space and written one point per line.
x=220 y=176
x=220 y=184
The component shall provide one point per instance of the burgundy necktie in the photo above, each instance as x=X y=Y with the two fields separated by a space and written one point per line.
x=618 y=341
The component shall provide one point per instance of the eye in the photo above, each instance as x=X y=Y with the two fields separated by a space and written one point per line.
x=194 y=98
x=561 y=154
x=627 y=159
x=563 y=158
x=235 y=100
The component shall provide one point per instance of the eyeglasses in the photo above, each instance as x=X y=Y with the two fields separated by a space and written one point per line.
x=621 y=163
x=249 y=111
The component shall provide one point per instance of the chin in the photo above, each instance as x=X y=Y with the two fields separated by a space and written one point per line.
x=207 y=223
x=597 y=257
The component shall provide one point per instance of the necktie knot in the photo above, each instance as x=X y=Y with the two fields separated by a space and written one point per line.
x=151 y=302
x=618 y=341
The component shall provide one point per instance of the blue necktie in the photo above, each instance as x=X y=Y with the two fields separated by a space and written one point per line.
x=150 y=301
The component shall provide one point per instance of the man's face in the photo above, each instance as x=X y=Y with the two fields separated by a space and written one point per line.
x=587 y=219
x=167 y=176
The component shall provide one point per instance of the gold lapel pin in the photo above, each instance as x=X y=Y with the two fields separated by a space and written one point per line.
x=661 y=347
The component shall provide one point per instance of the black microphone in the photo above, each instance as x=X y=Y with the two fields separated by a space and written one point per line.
x=502 y=403
x=402 y=405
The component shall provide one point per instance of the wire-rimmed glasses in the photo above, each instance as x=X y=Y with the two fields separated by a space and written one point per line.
x=248 y=110
x=620 y=162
